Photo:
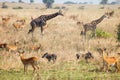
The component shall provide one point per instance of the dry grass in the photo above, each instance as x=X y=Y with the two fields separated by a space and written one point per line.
x=62 y=35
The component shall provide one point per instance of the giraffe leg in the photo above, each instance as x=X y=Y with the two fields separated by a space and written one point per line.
x=33 y=27
x=42 y=30
x=93 y=33
x=31 y=30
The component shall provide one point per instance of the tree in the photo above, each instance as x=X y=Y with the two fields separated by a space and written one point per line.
x=4 y=5
x=118 y=1
x=20 y=1
x=104 y=2
x=31 y=1
x=69 y=2
x=48 y=3
x=113 y=3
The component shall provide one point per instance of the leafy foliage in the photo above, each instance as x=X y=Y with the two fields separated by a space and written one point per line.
x=19 y=7
x=102 y=34
x=48 y=3
x=69 y=2
x=31 y=1
x=104 y=2
x=4 y=5
x=20 y=1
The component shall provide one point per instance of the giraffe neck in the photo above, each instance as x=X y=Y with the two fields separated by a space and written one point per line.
x=98 y=20
x=48 y=17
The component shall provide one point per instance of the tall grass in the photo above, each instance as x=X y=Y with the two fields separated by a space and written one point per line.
x=62 y=37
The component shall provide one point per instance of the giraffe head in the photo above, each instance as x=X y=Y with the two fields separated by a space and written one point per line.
x=109 y=14
x=60 y=13
x=106 y=15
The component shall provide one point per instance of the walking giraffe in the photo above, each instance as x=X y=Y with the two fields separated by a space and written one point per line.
x=92 y=25
x=41 y=21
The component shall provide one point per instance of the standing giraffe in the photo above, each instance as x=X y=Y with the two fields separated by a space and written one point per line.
x=41 y=21
x=92 y=25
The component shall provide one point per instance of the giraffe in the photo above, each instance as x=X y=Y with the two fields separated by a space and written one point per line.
x=93 y=24
x=41 y=21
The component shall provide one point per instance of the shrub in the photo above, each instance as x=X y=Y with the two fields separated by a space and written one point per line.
x=102 y=34
x=4 y=5
x=57 y=7
x=81 y=7
x=102 y=7
x=118 y=7
x=19 y=7
x=63 y=7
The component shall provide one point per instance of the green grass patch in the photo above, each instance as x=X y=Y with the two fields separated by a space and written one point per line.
x=102 y=34
x=62 y=71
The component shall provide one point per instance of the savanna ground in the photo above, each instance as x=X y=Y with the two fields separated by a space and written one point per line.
x=62 y=37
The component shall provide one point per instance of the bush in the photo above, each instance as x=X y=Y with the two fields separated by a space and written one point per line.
x=69 y=2
x=102 y=7
x=82 y=7
x=102 y=34
x=57 y=7
x=19 y=7
x=4 y=5
x=63 y=7
x=118 y=7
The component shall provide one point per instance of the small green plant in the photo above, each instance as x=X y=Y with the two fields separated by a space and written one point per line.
x=102 y=34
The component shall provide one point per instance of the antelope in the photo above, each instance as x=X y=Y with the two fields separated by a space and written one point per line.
x=41 y=21
x=50 y=57
x=11 y=47
x=109 y=61
x=5 y=21
x=33 y=61
x=35 y=48
x=18 y=24
x=20 y=20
